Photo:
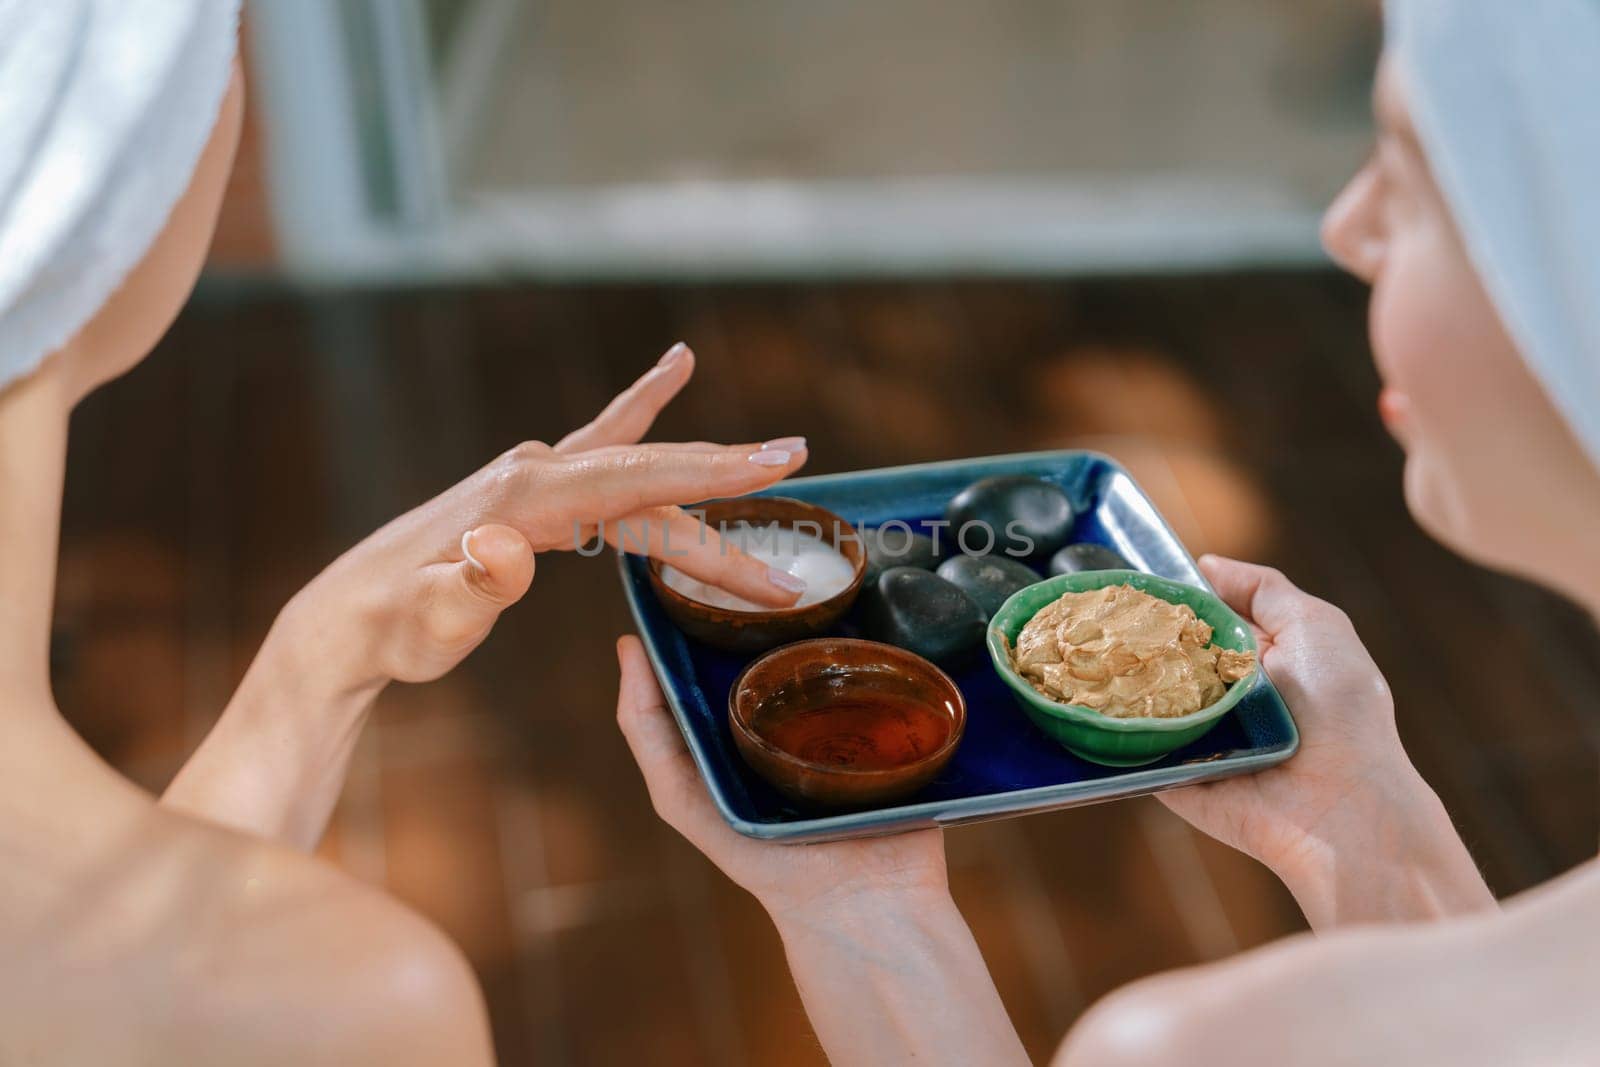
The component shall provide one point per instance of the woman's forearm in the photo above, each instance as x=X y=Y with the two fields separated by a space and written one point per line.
x=893 y=979
x=1402 y=860
x=275 y=762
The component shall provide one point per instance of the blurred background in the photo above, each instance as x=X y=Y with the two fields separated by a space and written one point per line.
x=911 y=230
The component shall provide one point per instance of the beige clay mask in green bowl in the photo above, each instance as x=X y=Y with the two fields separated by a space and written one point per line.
x=1087 y=733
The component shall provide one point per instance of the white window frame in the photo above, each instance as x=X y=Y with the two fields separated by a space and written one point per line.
x=364 y=137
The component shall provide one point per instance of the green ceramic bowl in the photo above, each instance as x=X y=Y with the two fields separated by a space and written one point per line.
x=1087 y=733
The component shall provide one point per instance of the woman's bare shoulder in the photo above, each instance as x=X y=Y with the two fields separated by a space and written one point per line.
x=1424 y=994
x=1174 y=1018
x=352 y=974
x=165 y=939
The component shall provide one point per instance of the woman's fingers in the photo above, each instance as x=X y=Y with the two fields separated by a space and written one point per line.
x=669 y=772
x=557 y=500
x=682 y=540
x=1261 y=594
x=609 y=483
x=777 y=444
x=629 y=416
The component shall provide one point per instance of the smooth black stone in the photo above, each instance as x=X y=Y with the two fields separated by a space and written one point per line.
x=919 y=552
x=1087 y=556
x=988 y=580
x=1014 y=507
x=922 y=613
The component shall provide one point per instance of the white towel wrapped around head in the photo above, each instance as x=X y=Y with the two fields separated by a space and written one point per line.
x=1505 y=95
x=105 y=107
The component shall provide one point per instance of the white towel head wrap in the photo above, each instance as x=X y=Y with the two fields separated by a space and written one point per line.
x=105 y=106
x=1505 y=95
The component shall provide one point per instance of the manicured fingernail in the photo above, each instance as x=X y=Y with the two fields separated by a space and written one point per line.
x=785 y=444
x=775 y=458
x=674 y=355
x=466 y=550
x=784 y=580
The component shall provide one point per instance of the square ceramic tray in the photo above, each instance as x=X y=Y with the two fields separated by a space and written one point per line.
x=1004 y=766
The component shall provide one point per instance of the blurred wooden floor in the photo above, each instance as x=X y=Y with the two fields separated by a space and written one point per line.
x=273 y=429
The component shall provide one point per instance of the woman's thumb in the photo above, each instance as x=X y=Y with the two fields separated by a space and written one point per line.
x=496 y=565
x=463 y=597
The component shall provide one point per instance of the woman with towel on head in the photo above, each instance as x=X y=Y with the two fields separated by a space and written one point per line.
x=193 y=928
x=1477 y=222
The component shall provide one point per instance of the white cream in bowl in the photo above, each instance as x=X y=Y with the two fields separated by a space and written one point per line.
x=826 y=571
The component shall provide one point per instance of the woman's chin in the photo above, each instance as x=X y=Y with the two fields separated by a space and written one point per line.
x=1438 y=506
x=1483 y=531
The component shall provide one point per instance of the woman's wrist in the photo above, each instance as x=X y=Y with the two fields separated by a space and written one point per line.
x=870 y=962
x=1388 y=854
x=275 y=762
x=322 y=651
x=306 y=673
x=859 y=909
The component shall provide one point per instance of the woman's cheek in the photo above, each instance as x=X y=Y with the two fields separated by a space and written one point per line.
x=1460 y=399
x=1409 y=344
x=1422 y=343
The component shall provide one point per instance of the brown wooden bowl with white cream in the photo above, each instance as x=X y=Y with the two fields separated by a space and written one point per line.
x=799 y=537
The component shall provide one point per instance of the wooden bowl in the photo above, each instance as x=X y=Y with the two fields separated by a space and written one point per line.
x=842 y=667
x=756 y=631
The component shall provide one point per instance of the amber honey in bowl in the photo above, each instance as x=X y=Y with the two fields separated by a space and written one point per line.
x=840 y=721
x=863 y=731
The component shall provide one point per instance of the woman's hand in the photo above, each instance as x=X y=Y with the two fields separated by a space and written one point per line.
x=883 y=960
x=425 y=590
x=1347 y=823
x=786 y=880
x=412 y=600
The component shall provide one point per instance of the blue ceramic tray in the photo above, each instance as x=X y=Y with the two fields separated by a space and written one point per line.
x=1004 y=766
